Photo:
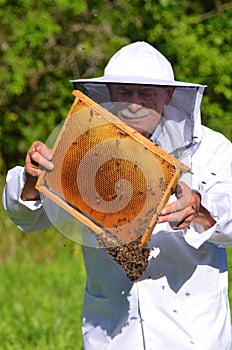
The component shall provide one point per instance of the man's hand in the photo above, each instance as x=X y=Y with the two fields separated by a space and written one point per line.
x=38 y=157
x=185 y=209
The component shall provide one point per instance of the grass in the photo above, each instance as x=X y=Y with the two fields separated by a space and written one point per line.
x=41 y=289
x=40 y=306
x=42 y=282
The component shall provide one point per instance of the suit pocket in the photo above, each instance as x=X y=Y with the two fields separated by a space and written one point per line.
x=97 y=311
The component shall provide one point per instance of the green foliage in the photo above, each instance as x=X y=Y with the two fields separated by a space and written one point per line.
x=45 y=44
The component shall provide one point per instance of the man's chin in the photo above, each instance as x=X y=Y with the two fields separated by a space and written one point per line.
x=143 y=132
x=137 y=124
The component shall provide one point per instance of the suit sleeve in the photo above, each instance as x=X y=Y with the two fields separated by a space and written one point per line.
x=213 y=179
x=29 y=216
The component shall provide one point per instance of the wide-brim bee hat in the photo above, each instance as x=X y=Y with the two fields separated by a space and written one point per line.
x=138 y=63
x=142 y=64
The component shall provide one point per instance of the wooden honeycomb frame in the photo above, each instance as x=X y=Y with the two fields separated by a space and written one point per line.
x=89 y=126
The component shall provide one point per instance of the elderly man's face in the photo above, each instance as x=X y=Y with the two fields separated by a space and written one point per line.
x=140 y=106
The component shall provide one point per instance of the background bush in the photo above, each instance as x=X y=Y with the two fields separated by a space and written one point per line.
x=45 y=44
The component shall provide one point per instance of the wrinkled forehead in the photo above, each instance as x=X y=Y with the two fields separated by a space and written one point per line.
x=135 y=87
x=123 y=91
x=148 y=96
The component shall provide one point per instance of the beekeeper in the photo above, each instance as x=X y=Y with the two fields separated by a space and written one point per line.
x=181 y=301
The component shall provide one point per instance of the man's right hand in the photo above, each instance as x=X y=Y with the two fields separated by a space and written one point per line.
x=38 y=157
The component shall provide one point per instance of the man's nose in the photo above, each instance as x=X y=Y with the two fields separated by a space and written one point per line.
x=134 y=107
x=135 y=103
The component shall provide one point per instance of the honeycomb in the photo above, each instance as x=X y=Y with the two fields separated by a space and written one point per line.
x=107 y=175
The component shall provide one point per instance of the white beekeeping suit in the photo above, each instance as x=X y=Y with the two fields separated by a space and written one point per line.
x=181 y=301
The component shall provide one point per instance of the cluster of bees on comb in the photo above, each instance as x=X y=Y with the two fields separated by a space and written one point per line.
x=132 y=257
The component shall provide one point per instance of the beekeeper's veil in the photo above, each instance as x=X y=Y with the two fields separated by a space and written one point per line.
x=140 y=63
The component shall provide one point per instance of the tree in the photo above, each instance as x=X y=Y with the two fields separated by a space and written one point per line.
x=45 y=44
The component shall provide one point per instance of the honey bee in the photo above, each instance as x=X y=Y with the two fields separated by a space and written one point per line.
x=98 y=198
x=121 y=219
x=121 y=196
x=161 y=183
x=91 y=115
x=122 y=133
x=202 y=252
x=112 y=196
